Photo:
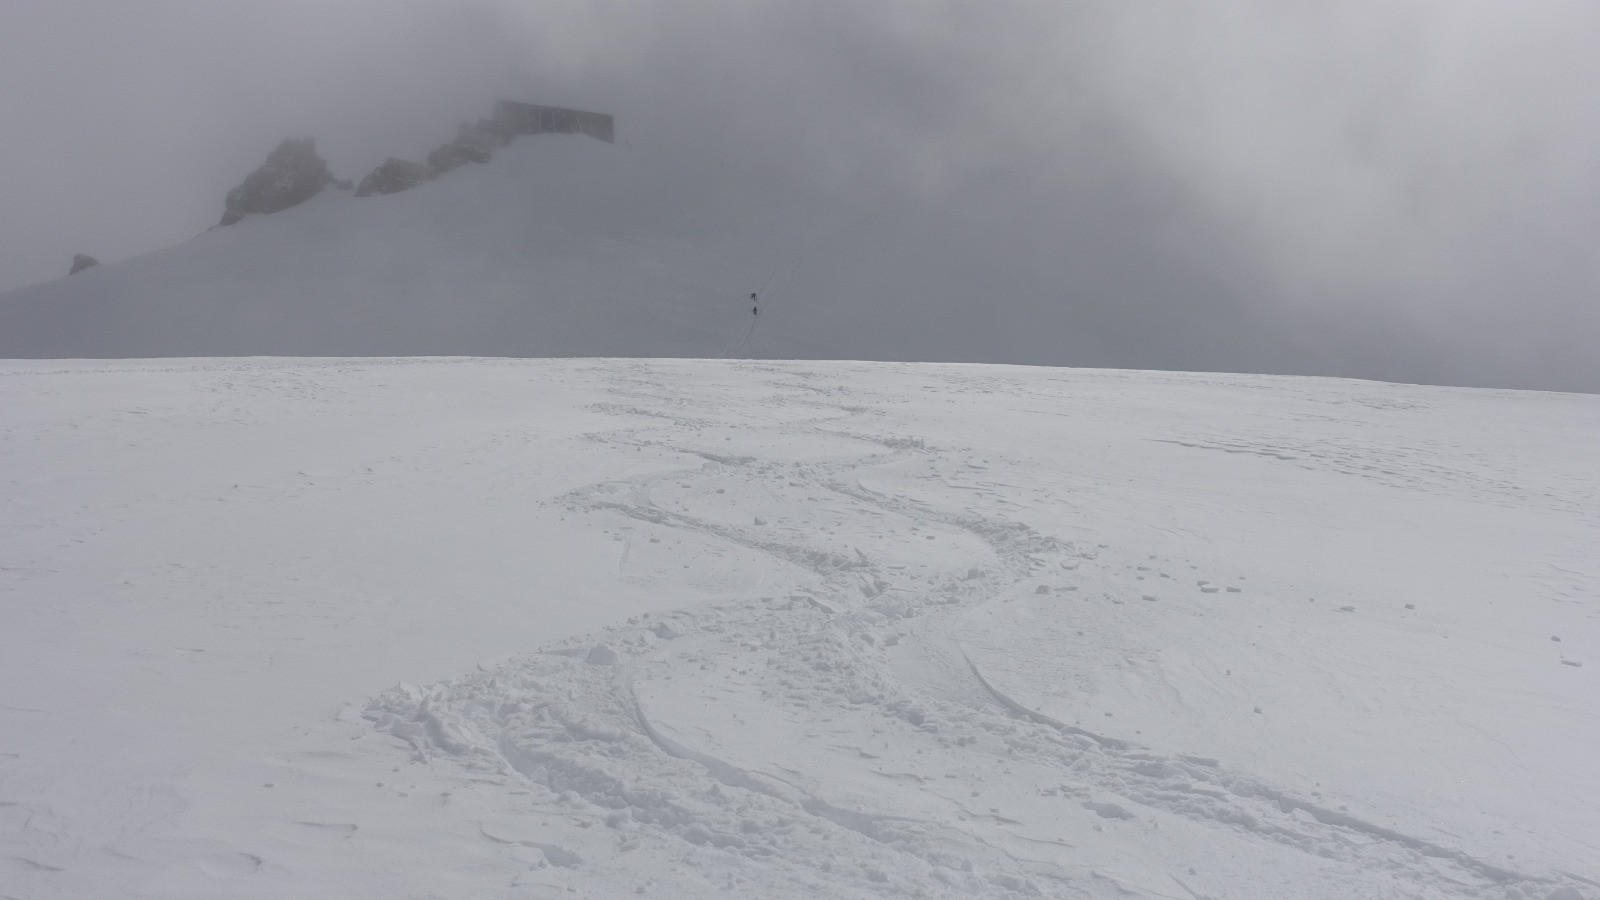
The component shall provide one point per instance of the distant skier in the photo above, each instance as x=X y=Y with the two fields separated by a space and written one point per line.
x=755 y=304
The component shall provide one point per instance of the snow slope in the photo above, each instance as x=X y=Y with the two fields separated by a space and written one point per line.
x=561 y=246
x=494 y=628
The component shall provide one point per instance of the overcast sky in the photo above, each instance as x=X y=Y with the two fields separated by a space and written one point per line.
x=1406 y=190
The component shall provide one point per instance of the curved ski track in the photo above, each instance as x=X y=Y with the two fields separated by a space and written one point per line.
x=729 y=739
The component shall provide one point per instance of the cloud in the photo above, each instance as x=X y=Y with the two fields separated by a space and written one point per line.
x=1399 y=190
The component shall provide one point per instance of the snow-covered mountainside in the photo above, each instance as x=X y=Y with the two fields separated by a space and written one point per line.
x=561 y=246
x=495 y=628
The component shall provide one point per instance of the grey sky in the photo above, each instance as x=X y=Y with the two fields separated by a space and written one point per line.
x=1390 y=189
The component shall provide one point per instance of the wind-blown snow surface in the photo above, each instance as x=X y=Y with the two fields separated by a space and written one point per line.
x=792 y=630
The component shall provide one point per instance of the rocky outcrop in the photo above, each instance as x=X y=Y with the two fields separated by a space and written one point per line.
x=292 y=174
x=83 y=261
x=454 y=156
x=515 y=118
x=393 y=176
x=475 y=143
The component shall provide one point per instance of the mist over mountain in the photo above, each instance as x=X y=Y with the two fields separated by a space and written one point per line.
x=1386 y=191
x=839 y=448
x=566 y=246
x=562 y=245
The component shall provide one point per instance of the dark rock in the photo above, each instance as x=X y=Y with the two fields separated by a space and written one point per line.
x=393 y=176
x=527 y=118
x=83 y=261
x=292 y=174
x=475 y=143
x=454 y=155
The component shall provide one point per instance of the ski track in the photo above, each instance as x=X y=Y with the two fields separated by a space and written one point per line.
x=703 y=736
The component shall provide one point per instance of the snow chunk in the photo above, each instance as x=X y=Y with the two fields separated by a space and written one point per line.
x=1107 y=810
x=602 y=655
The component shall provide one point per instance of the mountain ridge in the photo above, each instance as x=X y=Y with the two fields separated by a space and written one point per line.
x=536 y=253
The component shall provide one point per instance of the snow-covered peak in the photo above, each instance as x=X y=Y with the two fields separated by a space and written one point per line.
x=546 y=250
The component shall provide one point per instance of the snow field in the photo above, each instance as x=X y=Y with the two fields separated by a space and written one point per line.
x=793 y=630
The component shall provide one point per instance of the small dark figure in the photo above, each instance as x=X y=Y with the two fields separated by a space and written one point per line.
x=755 y=308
